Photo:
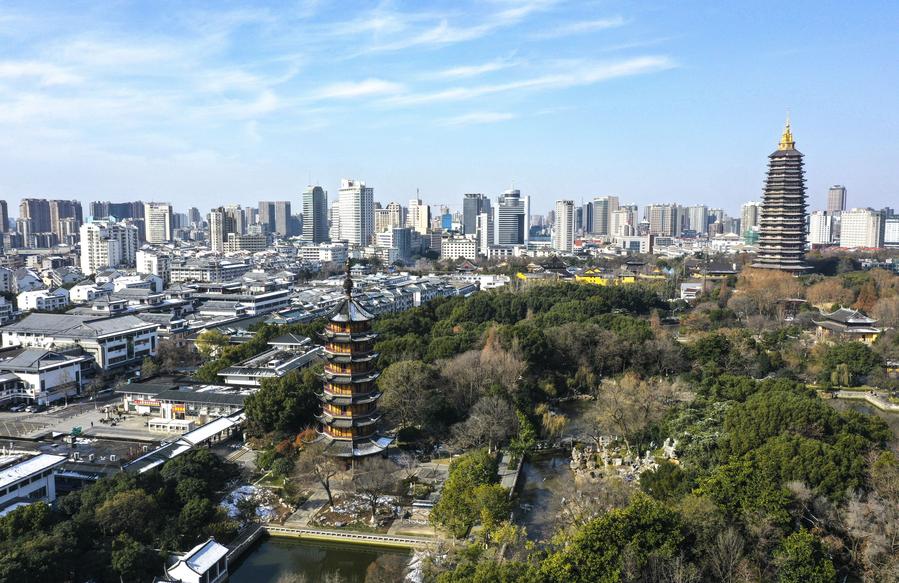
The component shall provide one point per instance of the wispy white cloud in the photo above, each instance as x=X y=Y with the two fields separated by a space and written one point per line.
x=586 y=73
x=46 y=74
x=352 y=89
x=581 y=27
x=465 y=71
x=478 y=118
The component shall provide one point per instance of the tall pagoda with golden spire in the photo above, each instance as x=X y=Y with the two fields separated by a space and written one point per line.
x=781 y=243
x=349 y=401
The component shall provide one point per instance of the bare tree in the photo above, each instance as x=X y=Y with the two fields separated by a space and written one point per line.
x=726 y=554
x=631 y=404
x=373 y=478
x=315 y=466
x=408 y=462
x=582 y=500
x=492 y=421
x=465 y=380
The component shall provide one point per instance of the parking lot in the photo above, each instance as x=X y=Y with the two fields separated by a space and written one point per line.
x=63 y=418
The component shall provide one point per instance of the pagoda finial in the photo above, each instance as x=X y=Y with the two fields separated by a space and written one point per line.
x=786 y=139
x=348 y=281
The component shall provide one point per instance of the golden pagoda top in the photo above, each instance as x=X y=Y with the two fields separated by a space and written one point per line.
x=786 y=139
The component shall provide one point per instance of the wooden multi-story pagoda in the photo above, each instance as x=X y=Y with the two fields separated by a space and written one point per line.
x=349 y=416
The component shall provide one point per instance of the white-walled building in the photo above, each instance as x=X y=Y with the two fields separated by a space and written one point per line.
x=43 y=300
x=25 y=480
x=820 y=228
x=107 y=244
x=861 y=228
x=39 y=376
x=113 y=342
x=205 y=563
x=357 y=212
x=563 y=231
x=459 y=247
x=158 y=222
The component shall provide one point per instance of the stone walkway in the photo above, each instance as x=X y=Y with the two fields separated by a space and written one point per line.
x=317 y=500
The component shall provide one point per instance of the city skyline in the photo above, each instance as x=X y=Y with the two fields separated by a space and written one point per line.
x=140 y=104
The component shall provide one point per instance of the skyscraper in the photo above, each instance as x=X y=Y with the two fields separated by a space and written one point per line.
x=37 y=212
x=390 y=217
x=274 y=216
x=4 y=217
x=603 y=207
x=119 y=210
x=315 y=214
x=234 y=221
x=511 y=218
x=664 y=220
x=563 y=232
x=698 y=218
x=107 y=244
x=472 y=206
x=419 y=217
x=357 y=212
x=781 y=242
x=750 y=213
x=836 y=199
x=158 y=222
x=65 y=217
x=217 y=230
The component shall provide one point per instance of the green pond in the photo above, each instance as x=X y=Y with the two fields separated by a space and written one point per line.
x=281 y=560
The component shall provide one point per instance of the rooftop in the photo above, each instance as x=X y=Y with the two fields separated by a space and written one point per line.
x=77 y=326
x=23 y=469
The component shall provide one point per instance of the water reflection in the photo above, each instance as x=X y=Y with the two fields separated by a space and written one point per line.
x=293 y=561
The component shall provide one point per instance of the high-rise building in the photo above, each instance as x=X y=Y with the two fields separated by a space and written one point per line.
x=664 y=220
x=4 y=217
x=750 y=213
x=511 y=219
x=349 y=399
x=274 y=216
x=250 y=217
x=781 y=243
x=603 y=207
x=193 y=215
x=698 y=218
x=861 y=228
x=820 y=228
x=563 y=232
x=587 y=227
x=891 y=231
x=60 y=210
x=472 y=206
x=234 y=220
x=315 y=214
x=836 y=199
x=107 y=244
x=485 y=232
x=390 y=217
x=158 y=222
x=419 y=217
x=37 y=212
x=217 y=234
x=357 y=212
x=119 y=210
x=624 y=221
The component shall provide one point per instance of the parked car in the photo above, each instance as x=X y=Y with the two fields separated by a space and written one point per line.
x=30 y=409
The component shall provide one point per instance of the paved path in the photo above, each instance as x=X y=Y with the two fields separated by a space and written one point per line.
x=872 y=398
x=317 y=500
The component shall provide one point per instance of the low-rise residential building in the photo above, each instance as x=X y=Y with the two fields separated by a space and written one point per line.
x=43 y=300
x=112 y=341
x=7 y=311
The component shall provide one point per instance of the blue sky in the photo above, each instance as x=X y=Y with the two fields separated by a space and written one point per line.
x=207 y=103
